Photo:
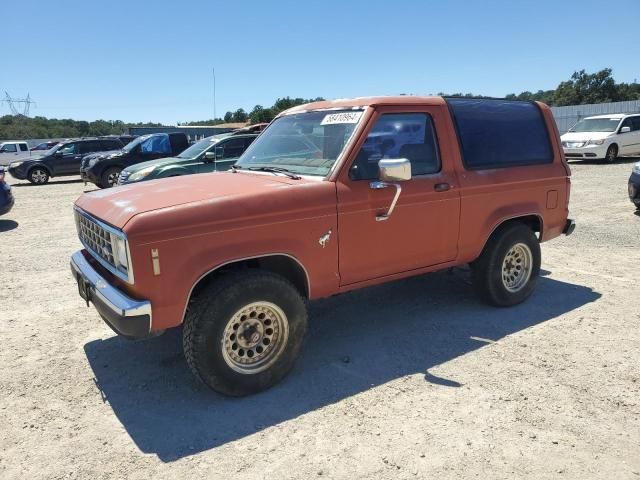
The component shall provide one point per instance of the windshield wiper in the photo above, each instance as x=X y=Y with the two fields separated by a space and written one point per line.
x=284 y=171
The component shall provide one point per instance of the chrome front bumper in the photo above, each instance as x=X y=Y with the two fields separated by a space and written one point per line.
x=126 y=316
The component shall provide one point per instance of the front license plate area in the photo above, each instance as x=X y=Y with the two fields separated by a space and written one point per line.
x=84 y=289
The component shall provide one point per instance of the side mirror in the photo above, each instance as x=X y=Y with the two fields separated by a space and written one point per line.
x=209 y=156
x=394 y=170
x=390 y=171
x=625 y=129
x=58 y=154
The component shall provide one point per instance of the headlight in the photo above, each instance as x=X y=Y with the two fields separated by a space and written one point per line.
x=596 y=142
x=15 y=164
x=636 y=168
x=140 y=174
x=93 y=161
x=120 y=257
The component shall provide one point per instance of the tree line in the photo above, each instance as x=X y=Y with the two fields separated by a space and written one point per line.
x=16 y=127
x=258 y=114
x=581 y=88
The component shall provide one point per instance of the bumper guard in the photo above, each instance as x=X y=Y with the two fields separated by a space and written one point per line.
x=126 y=316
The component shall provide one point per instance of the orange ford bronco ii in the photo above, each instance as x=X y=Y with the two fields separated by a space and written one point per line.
x=331 y=197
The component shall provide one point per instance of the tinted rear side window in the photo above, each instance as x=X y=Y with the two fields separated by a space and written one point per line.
x=111 y=145
x=500 y=133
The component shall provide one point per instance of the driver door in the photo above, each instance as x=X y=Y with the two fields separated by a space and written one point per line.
x=67 y=160
x=423 y=228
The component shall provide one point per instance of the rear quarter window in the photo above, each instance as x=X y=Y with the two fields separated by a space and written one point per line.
x=500 y=133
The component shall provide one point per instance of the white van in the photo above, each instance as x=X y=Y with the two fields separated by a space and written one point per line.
x=12 y=151
x=603 y=137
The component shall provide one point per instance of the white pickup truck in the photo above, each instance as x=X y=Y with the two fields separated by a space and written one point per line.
x=12 y=151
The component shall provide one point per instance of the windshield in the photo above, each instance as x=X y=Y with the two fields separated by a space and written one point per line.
x=596 y=125
x=306 y=143
x=156 y=143
x=198 y=148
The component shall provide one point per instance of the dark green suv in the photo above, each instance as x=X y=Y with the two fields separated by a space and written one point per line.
x=212 y=154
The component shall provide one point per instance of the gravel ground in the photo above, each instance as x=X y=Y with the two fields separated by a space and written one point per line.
x=412 y=379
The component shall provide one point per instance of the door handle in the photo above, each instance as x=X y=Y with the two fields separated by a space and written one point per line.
x=380 y=185
x=441 y=187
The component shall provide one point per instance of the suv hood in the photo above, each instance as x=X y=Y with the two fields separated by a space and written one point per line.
x=160 y=162
x=107 y=154
x=117 y=205
x=583 y=136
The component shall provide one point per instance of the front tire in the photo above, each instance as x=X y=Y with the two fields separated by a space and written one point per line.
x=110 y=177
x=243 y=333
x=506 y=272
x=38 y=176
x=612 y=153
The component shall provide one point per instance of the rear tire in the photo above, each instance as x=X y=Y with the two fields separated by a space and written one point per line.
x=110 y=177
x=38 y=176
x=507 y=270
x=243 y=333
x=612 y=154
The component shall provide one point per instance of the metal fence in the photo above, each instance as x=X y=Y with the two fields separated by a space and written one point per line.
x=566 y=117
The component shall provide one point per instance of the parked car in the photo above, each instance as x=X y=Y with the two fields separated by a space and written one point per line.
x=603 y=137
x=104 y=169
x=255 y=128
x=11 y=151
x=634 y=186
x=234 y=256
x=62 y=160
x=212 y=154
x=6 y=197
x=44 y=146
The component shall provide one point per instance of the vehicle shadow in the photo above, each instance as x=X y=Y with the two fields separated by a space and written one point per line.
x=355 y=342
x=51 y=182
x=6 y=225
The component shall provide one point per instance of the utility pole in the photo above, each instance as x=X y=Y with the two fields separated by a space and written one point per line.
x=213 y=71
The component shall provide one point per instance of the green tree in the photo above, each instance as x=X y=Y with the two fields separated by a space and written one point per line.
x=239 y=116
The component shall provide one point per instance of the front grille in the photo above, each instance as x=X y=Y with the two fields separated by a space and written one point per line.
x=95 y=238
x=124 y=176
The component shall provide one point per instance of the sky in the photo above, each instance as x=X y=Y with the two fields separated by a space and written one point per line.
x=153 y=61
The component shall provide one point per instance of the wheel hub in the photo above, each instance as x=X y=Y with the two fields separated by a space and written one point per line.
x=254 y=337
x=516 y=267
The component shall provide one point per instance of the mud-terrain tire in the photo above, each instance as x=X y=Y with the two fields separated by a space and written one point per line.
x=612 y=153
x=38 y=176
x=507 y=270
x=243 y=333
x=109 y=177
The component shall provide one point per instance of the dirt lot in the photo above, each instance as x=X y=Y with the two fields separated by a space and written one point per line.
x=413 y=379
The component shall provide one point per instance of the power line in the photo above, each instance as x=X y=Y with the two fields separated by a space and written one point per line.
x=19 y=106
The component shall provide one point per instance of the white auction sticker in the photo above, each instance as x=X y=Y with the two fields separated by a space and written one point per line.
x=343 y=117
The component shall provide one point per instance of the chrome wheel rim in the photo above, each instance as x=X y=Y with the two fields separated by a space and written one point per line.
x=611 y=154
x=113 y=178
x=255 y=337
x=39 y=176
x=516 y=267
